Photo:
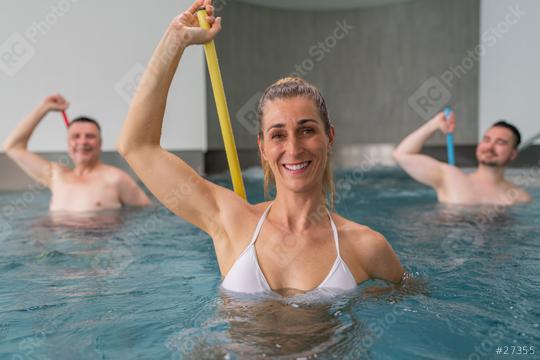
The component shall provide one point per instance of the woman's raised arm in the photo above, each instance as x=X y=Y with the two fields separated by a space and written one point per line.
x=170 y=179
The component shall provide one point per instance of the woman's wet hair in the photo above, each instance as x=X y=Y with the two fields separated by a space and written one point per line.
x=288 y=88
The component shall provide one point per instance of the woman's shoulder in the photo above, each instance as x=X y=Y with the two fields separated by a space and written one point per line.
x=241 y=218
x=358 y=238
x=261 y=207
x=349 y=227
x=364 y=247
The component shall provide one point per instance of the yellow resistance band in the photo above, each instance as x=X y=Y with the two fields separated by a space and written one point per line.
x=222 y=109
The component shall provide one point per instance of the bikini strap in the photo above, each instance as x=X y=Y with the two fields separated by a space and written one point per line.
x=259 y=225
x=334 y=233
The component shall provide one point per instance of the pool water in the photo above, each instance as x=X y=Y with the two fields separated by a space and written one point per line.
x=144 y=284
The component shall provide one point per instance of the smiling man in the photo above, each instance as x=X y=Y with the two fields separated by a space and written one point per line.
x=487 y=185
x=90 y=185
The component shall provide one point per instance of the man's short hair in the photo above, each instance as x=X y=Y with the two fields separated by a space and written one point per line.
x=512 y=128
x=85 y=119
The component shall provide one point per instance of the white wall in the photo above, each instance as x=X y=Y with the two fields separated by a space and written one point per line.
x=93 y=51
x=510 y=67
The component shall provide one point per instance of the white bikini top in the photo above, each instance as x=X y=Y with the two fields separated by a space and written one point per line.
x=246 y=276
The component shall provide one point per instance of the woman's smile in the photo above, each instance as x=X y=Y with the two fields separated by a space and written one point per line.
x=297 y=168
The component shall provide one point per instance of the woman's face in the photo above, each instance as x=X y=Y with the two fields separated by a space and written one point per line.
x=294 y=143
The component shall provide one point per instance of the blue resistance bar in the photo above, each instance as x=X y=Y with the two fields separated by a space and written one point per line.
x=449 y=139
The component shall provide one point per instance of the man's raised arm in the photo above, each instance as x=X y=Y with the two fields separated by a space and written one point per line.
x=423 y=168
x=16 y=145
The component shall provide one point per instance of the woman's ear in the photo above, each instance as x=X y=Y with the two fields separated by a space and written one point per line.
x=331 y=137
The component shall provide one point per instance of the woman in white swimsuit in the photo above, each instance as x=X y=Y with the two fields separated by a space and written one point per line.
x=293 y=242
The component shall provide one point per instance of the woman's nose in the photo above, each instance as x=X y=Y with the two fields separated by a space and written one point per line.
x=294 y=146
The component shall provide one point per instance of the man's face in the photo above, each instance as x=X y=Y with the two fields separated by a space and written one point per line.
x=496 y=147
x=84 y=143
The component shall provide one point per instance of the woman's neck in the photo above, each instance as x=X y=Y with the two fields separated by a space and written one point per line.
x=299 y=211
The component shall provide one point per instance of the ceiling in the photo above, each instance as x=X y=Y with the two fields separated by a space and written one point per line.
x=322 y=4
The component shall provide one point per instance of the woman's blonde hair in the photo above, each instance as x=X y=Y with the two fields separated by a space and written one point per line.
x=291 y=87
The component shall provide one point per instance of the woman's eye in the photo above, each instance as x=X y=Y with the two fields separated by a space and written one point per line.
x=308 y=131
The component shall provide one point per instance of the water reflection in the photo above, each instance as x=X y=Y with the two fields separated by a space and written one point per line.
x=478 y=215
x=80 y=245
x=318 y=324
x=98 y=220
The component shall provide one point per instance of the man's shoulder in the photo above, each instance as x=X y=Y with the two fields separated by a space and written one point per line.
x=518 y=194
x=114 y=173
x=454 y=172
x=453 y=178
x=59 y=168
